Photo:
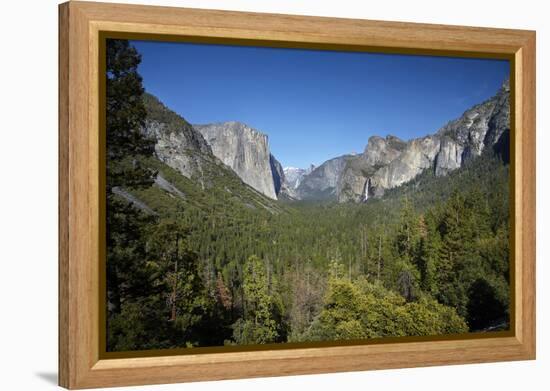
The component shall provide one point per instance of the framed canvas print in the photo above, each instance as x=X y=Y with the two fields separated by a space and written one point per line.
x=247 y=195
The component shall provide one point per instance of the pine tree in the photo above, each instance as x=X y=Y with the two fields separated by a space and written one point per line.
x=408 y=233
x=258 y=325
x=127 y=277
x=429 y=259
x=404 y=273
x=126 y=115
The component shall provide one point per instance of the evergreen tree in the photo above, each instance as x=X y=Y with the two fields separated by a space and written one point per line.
x=430 y=257
x=127 y=273
x=407 y=235
x=258 y=325
x=405 y=275
x=359 y=309
x=126 y=145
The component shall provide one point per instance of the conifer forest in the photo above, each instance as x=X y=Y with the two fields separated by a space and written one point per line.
x=202 y=253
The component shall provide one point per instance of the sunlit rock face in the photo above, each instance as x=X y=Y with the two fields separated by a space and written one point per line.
x=381 y=151
x=177 y=143
x=417 y=156
x=390 y=162
x=449 y=156
x=246 y=151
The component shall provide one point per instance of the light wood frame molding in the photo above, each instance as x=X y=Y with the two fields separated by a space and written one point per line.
x=80 y=24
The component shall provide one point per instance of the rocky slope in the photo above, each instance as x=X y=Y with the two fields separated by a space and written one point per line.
x=390 y=162
x=353 y=184
x=177 y=143
x=321 y=182
x=246 y=151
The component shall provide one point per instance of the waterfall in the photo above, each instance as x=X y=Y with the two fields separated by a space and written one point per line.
x=366 y=190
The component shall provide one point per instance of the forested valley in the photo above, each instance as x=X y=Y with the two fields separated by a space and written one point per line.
x=208 y=261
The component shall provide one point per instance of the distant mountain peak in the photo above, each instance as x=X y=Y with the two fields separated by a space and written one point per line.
x=293 y=176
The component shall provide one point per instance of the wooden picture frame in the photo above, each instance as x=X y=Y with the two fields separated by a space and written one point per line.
x=81 y=24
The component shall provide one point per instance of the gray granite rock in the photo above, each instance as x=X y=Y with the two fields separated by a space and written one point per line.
x=381 y=151
x=417 y=156
x=177 y=143
x=245 y=150
x=167 y=186
x=322 y=182
x=389 y=162
x=132 y=199
x=449 y=157
x=354 y=184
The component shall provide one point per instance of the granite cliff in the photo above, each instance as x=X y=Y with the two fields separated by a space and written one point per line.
x=246 y=151
x=321 y=183
x=177 y=143
x=390 y=162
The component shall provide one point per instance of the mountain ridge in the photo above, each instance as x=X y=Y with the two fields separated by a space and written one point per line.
x=388 y=162
x=385 y=163
x=449 y=148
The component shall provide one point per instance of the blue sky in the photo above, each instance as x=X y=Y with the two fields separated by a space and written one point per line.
x=315 y=105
